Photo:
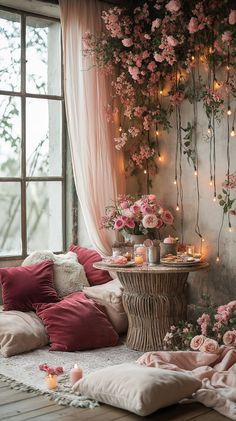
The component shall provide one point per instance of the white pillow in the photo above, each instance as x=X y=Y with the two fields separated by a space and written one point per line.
x=109 y=295
x=20 y=332
x=138 y=389
x=69 y=274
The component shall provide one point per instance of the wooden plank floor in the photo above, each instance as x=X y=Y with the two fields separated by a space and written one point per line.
x=22 y=406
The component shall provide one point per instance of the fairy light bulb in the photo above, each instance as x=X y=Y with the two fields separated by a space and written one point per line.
x=192 y=58
x=175 y=181
x=218 y=259
x=203 y=240
x=160 y=158
x=227 y=67
x=232 y=133
x=161 y=92
x=144 y=171
x=229 y=112
x=157 y=133
x=209 y=130
x=120 y=129
x=230 y=229
x=195 y=172
x=211 y=182
x=177 y=207
x=214 y=198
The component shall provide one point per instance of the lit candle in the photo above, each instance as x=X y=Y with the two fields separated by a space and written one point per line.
x=190 y=250
x=51 y=381
x=141 y=251
x=76 y=374
x=138 y=259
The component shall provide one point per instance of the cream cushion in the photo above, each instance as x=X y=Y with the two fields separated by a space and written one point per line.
x=138 y=389
x=20 y=332
x=109 y=295
x=69 y=274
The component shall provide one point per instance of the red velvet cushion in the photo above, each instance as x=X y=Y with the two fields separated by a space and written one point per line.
x=24 y=285
x=76 y=323
x=87 y=257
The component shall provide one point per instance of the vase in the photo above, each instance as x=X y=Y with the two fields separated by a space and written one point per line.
x=138 y=239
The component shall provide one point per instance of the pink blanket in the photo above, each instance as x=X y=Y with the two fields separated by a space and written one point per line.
x=216 y=371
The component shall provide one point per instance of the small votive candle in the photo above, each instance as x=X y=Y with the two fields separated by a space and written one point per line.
x=190 y=250
x=138 y=259
x=140 y=250
x=51 y=381
x=76 y=374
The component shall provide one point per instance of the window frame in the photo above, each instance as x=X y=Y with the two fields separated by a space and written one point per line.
x=24 y=179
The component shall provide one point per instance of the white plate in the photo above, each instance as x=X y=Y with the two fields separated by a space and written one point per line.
x=124 y=265
x=181 y=264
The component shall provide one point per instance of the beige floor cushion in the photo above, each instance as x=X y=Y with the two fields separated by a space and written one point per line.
x=69 y=274
x=20 y=332
x=109 y=295
x=138 y=389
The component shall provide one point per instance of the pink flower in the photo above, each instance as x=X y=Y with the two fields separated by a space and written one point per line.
x=146 y=209
x=152 y=197
x=193 y=25
x=173 y=6
x=167 y=217
x=119 y=223
x=159 y=223
x=127 y=42
x=209 y=345
x=151 y=66
x=172 y=41
x=149 y=221
x=130 y=223
x=134 y=71
x=155 y=24
x=135 y=208
x=124 y=205
x=229 y=338
x=158 y=57
x=197 y=342
x=232 y=17
x=227 y=36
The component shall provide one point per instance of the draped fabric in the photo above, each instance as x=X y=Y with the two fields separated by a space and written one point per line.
x=97 y=166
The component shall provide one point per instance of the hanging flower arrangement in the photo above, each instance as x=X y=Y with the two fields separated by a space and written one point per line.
x=153 y=48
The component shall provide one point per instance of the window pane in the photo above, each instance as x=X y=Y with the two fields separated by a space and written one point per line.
x=44 y=216
x=43 y=141
x=43 y=54
x=10 y=135
x=10 y=219
x=9 y=51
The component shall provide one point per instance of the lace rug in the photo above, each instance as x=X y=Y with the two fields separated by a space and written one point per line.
x=21 y=371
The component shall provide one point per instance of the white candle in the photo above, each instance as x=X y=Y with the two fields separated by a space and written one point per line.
x=76 y=374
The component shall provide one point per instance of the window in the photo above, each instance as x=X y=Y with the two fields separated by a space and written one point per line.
x=32 y=147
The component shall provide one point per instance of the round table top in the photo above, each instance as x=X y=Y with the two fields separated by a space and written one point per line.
x=160 y=268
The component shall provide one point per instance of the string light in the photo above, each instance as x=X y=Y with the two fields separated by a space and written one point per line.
x=120 y=129
x=218 y=259
x=229 y=112
x=157 y=133
x=192 y=58
x=177 y=207
x=209 y=129
x=203 y=239
x=232 y=134
x=227 y=67
x=160 y=158
x=161 y=91
x=145 y=172
x=175 y=181
x=195 y=172
x=230 y=229
x=214 y=198
x=211 y=182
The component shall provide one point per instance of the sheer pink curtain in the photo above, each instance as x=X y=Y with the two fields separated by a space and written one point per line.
x=98 y=169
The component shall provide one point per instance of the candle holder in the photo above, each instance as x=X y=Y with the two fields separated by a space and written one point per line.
x=140 y=254
x=51 y=380
x=190 y=250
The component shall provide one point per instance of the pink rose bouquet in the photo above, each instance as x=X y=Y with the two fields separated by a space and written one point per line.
x=205 y=332
x=136 y=216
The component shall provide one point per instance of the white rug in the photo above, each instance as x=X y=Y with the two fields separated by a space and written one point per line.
x=21 y=371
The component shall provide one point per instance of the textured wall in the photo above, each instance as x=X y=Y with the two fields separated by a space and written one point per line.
x=220 y=281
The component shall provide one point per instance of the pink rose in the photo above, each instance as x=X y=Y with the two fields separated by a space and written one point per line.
x=227 y=36
x=210 y=345
x=119 y=223
x=173 y=6
x=127 y=42
x=146 y=209
x=130 y=223
x=193 y=25
x=151 y=66
x=167 y=217
x=152 y=197
x=155 y=24
x=232 y=17
x=229 y=338
x=135 y=208
x=134 y=71
x=197 y=342
x=172 y=41
x=159 y=223
x=158 y=57
x=124 y=205
x=149 y=221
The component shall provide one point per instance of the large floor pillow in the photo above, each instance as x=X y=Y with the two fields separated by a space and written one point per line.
x=109 y=295
x=69 y=274
x=20 y=332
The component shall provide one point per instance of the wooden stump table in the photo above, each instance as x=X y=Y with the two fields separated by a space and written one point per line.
x=154 y=298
